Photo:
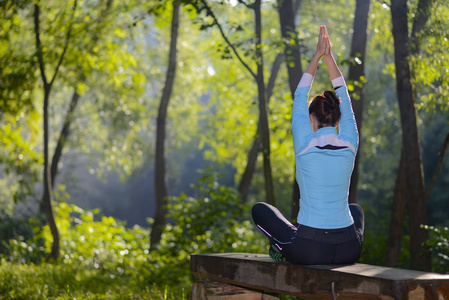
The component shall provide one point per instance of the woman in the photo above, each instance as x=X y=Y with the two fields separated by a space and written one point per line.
x=330 y=231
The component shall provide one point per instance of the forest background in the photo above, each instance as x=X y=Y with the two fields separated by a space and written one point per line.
x=135 y=133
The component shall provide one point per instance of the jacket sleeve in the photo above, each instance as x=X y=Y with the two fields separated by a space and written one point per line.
x=301 y=128
x=348 y=126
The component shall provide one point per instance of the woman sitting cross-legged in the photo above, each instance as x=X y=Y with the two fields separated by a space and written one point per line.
x=330 y=230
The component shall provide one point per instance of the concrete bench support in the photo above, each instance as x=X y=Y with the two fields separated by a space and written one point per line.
x=237 y=276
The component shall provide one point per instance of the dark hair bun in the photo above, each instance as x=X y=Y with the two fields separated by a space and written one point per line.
x=326 y=108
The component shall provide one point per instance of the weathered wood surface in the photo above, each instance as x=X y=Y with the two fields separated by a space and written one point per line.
x=358 y=281
x=210 y=290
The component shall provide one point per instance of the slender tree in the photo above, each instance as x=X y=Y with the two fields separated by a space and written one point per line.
x=160 y=160
x=245 y=180
x=356 y=74
x=263 y=129
x=401 y=190
x=48 y=84
x=410 y=180
x=263 y=113
x=64 y=134
x=287 y=11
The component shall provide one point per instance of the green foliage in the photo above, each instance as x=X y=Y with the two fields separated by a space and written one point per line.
x=116 y=61
x=375 y=244
x=102 y=259
x=212 y=221
x=18 y=155
x=16 y=60
x=19 y=158
x=439 y=245
x=60 y=281
x=12 y=227
x=431 y=65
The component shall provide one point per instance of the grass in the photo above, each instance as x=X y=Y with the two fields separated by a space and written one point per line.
x=61 y=281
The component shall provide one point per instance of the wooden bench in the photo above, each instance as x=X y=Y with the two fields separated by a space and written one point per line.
x=236 y=276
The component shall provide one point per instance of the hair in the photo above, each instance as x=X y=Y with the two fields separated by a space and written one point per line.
x=326 y=108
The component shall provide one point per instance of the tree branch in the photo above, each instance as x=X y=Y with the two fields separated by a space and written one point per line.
x=421 y=16
x=65 y=131
x=251 y=6
x=296 y=7
x=38 y=43
x=441 y=154
x=274 y=72
x=384 y=3
x=63 y=136
x=66 y=43
x=211 y=13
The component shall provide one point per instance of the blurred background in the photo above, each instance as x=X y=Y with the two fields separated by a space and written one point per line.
x=171 y=116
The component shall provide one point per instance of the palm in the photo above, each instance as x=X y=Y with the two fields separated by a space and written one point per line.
x=323 y=46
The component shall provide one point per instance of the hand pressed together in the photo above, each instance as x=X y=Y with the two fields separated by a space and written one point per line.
x=323 y=47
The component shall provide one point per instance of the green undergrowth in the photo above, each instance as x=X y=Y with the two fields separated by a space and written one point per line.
x=60 y=281
x=439 y=246
x=100 y=258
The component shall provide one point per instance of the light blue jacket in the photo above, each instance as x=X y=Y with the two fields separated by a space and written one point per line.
x=324 y=162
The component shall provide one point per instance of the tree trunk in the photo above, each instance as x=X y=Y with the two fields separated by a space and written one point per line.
x=397 y=216
x=400 y=195
x=291 y=43
x=63 y=137
x=48 y=194
x=245 y=181
x=160 y=168
x=46 y=204
x=287 y=12
x=247 y=176
x=356 y=71
x=263 y=118
x=438 y=167
x=410 y=140
x=421 y=16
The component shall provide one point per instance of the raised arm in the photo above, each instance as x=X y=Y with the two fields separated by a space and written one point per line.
x=301 y=129
x=348 y=125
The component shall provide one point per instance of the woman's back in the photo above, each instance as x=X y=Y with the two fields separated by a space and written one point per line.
x=323 y=178
x=324 y=161
x=330 y=230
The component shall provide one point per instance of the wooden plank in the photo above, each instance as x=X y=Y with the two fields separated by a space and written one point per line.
x=259 y=272
x=209 y=290
x=198 y=291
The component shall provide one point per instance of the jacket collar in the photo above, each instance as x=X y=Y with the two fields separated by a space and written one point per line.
x=325 y=130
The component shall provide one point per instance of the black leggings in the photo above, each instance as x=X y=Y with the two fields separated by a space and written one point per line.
x=310 y=246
